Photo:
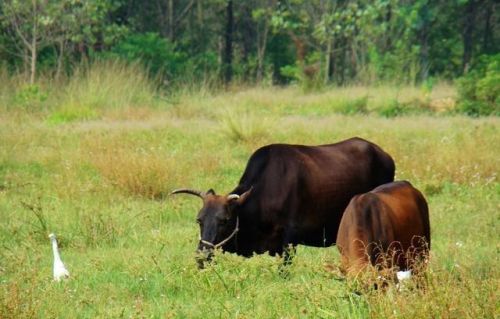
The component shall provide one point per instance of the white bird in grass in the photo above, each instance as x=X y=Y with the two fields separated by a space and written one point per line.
x=60 y=272
x=403 y=275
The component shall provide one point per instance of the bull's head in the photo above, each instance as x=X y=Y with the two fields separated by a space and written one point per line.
x=218 y=220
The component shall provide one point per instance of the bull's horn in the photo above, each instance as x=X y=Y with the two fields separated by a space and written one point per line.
x=188 y=191
x=233 y=196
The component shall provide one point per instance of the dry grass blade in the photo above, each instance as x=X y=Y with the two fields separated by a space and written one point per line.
x=38 y=212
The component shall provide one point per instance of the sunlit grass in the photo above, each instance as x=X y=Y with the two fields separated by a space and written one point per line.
x=101 y=185
x=292 y=101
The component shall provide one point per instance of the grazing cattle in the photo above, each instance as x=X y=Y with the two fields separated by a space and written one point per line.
x=290 y=195
x=387 y=227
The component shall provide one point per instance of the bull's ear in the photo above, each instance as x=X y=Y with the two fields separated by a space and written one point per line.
x=210 y=192
x=244 y=196
x=235 y=199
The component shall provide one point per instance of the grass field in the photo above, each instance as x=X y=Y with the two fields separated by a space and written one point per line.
x=99 y=181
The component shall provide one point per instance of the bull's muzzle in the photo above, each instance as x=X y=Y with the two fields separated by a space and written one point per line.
x=203 y=255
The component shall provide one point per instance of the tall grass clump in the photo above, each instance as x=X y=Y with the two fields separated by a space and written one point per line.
x=238 y=126
x=439 y=295
x=102 y=86
x=17 y=94
x=139 y=171
x=5 y=89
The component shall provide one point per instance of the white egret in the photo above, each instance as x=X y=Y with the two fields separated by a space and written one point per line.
x=60 y=271
x=403 y=275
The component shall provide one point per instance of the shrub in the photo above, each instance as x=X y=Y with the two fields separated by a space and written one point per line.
x=30 y=97
x=414 y=106
x=354 y=106
x=393 y=109
x=71 y=114
x=479 y=90
x=158 y=54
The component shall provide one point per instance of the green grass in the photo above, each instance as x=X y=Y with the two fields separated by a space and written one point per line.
x=100 y=185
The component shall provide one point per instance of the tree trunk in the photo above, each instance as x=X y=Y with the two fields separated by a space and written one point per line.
x=199 y=12
x=487 y=33
x=248 y=39
x=328 y=57
x=468 y=32
x=388 y=34
x=162 y=16
x=228 y=49
x=33 y=54
x=261 y=52
x=354 y=61
x=60 y=59
x=26 y=61
x=171 y=20
x=424 y=53
x=300 y=50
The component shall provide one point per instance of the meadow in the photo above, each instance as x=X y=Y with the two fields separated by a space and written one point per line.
x=94 y=160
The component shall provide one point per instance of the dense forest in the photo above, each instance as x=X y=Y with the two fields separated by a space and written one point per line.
x=314 y=42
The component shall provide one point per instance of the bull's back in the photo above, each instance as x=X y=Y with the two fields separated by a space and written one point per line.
x=304 y=190
x=320 y=168
x=336 y=173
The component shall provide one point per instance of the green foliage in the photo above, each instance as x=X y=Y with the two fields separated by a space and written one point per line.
x=397 y=108
x=290 y=72
x=86 y=22
x=33 y=26
x=479 y=90
x=30 y=97
x=282 y=58
x=352 y=42
x=354 y=106
x=158 y=54
x=71 y=114
x=393 y=109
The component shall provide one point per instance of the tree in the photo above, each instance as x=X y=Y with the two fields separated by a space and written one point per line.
x=470 y=11
x=38 y=24
x=227 y=56
x=326 y=41
x=26 y=26
x=262 y=18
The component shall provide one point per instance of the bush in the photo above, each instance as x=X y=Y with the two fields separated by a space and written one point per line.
x=72 y=114
x=30 y=97
x=412 y=107
x=479 y=90
x=157 y=53
x=354 y=106
x=393 y=109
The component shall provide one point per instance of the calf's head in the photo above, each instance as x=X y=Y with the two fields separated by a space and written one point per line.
x=218 y=220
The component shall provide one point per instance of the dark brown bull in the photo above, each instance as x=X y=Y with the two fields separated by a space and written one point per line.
x=387 y=227
x=290 y=195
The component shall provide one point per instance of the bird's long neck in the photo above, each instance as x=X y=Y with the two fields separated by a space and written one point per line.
x=55 y=250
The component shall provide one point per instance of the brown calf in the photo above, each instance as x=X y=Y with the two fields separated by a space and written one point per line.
x=387 y=227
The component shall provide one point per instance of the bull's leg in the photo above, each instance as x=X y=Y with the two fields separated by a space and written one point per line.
x=289 y=246
x=288 y=253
